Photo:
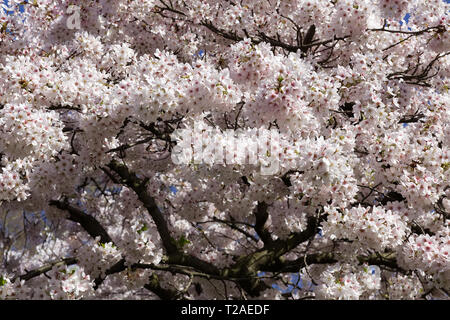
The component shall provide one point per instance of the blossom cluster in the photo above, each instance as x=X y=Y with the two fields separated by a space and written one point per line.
x=68 y=282
x=373 y=227
x=427 y=253
x=340 y=282
x=169 y=149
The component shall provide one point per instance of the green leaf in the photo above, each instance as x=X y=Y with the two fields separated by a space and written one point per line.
x=144 y=228
x=183 y=241
x=243 y=59
x=2 y=281
x=23 y=83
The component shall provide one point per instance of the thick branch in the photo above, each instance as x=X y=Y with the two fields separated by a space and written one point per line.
x=379 y=259
x=382 y=259
x=115 y=268
x=411 y=118
x=294 y=48
x=89 y=223
x=61 y=107
x=139 y=187
x=222 y=33
x=174 y=255
x=248 y=266
x=262 y=215
x=37 y=272
x=154 y=286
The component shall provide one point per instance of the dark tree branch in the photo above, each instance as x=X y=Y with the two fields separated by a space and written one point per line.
x=308 y=38
x=248 y=266
x=380 y=259
x=89 y=223
x=37 y=272
x=293 y=48
x=387 y=259
x=261 y=216
x=222 y=33
x=438 y=29
x=232 y=225
x=411 y=76
x=411 y=118
x=115 y=268
x=286 y=177
x=175 y=256
x=139 y=187
x=168 y=8
x=128 y=146
x=61 y=107
x=154 y=286
x=244 y=271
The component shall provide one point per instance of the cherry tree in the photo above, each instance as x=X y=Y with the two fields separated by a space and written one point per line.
x=108 y=109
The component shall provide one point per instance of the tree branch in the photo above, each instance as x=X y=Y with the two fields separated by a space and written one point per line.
x=439 y=29
x=261 y=216
x=174 y=255
x=154 y=286
x=37 y=272
x=89 y=223
x=139 y=187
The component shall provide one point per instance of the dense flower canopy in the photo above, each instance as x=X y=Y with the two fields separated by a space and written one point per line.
x=102 y=196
